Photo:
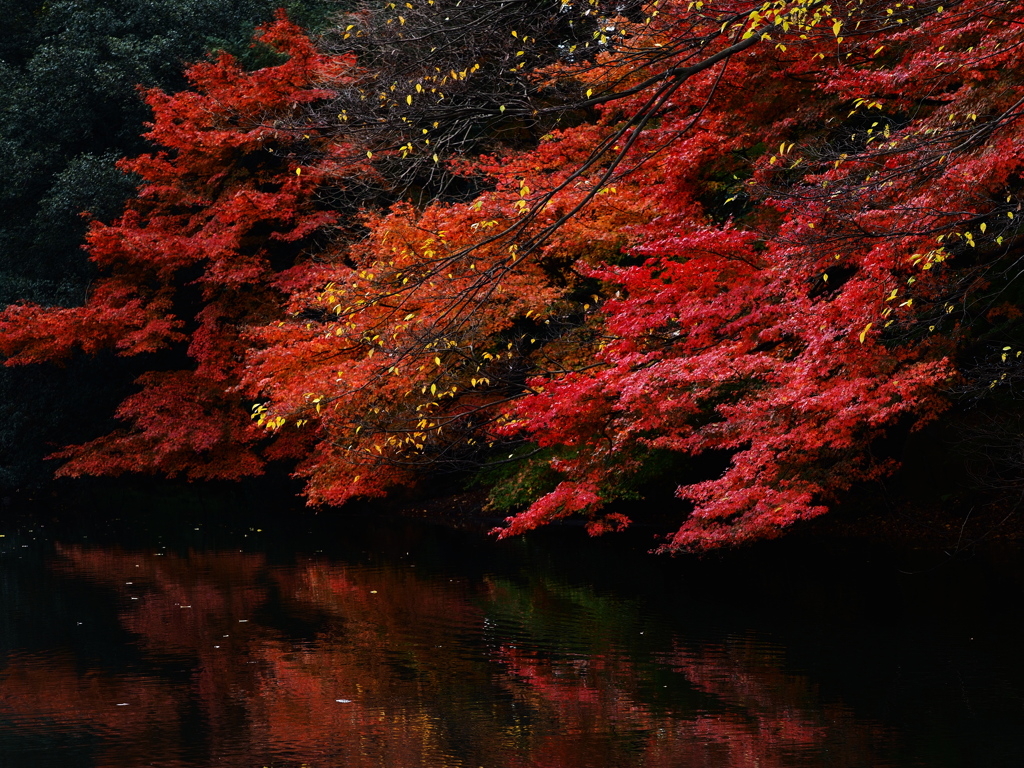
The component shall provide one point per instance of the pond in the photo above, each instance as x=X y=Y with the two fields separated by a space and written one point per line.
x=193 y=638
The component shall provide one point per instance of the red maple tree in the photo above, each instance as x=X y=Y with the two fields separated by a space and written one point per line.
x=795 y=322
x=748 y=230
x=220 y=232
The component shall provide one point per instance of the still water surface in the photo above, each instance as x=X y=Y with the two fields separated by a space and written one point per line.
x=187 y=641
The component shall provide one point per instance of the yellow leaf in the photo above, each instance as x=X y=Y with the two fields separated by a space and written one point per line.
x=864 y=333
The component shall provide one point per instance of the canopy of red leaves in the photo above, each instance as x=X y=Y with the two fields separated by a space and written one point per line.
x=748 y=230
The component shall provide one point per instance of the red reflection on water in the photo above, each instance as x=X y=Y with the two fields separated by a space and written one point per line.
x=755 y=713
x=393 y=670
x=53 y=694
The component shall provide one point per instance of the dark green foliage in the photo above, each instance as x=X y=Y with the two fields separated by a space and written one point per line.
x=513 y=485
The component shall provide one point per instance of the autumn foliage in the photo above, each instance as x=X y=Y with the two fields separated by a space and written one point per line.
x=757 y=232
x=206 y=250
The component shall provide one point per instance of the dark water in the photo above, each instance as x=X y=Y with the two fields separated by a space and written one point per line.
x=190 y=638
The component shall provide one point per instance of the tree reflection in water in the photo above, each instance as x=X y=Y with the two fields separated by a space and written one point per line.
x=231 y=661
